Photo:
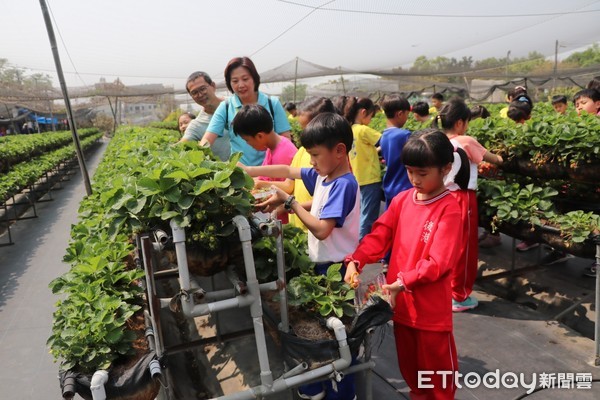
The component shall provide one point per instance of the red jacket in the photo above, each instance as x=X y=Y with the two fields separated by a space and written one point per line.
x=425 y=238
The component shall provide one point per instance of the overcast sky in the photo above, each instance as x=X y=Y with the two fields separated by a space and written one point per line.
x=162 y=41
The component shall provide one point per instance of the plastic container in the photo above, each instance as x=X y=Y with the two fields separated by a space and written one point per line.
x=370 y=284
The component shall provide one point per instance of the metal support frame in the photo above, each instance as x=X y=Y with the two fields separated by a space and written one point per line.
x=215 y=301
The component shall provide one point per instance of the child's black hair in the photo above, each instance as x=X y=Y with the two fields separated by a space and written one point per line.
x=432 y=148
x=519 y=110
x=251 y=120
x=393 y=103
x=455 y=110
x=592 y=94
x=517 y=91
x=438 y=96
x=594 y=83
x=189 y=114
x=479 y=111
x=289 y=106
x=339 y=102
x=428 y=148
x=354 y=105
x=559 y=98
x=316 y=105
x=421 y=108
x=327 y=129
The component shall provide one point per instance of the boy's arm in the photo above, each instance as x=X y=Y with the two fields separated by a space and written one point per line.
x=273 y=171
x=287 y=185
x=320 y=228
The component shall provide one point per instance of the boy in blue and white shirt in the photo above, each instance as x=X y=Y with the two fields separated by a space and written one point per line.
x=334 y=216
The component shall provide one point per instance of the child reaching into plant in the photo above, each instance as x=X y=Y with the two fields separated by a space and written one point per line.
x=422 y=228
x=332 y=219
x=454 y=118
x=365 y=159
x=255 y=125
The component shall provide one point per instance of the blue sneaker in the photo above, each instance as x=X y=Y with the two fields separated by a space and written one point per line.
x=468 y=304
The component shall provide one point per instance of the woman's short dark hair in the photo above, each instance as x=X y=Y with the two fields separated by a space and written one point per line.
x=428 y=148
x=327 y=129
x=241 y=62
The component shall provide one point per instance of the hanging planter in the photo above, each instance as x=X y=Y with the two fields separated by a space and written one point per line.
x=585 y=172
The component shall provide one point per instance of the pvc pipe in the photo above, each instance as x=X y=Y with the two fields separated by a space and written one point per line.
x=285 y=325
x=187 y=302
x=283 y=384
x=245 y=232
x=99 y=379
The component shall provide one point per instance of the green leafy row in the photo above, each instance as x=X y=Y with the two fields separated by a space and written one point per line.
x=569 y=140
x=510 y=203
x=26 y=173
x=143 y=182
x=15 y=149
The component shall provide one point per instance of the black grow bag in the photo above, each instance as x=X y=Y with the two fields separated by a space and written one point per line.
x=297 y=350
x=135 y=383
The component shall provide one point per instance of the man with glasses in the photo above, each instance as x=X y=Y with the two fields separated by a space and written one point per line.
x=202 y=89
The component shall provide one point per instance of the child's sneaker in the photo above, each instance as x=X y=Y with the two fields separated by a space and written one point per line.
x=468 y=304
x=525 y=246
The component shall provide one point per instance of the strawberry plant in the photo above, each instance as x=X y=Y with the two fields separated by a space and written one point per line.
x=324 y=294
x=143 y=182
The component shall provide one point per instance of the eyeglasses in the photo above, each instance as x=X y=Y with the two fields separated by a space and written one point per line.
x=200 y=90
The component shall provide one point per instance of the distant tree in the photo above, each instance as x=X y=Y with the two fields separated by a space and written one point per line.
x=287 y=93
x=586 y=58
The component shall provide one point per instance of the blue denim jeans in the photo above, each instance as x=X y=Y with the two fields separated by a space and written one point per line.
x=370 y=203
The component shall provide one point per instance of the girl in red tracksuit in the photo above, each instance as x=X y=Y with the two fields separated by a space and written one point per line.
x=422 y=228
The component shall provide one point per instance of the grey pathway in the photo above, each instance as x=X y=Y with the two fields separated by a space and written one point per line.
x=26 y=302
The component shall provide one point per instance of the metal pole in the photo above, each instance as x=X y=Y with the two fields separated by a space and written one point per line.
x=295 y=78
x=63 y=86
x=555 y=64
